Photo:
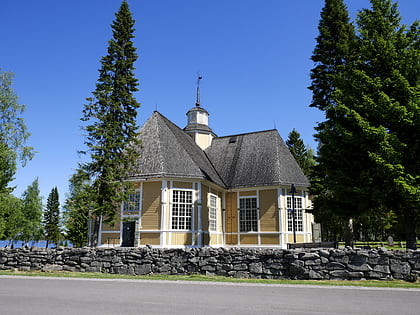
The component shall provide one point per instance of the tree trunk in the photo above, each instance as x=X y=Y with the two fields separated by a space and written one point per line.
x=349 y=237
x=410 y=234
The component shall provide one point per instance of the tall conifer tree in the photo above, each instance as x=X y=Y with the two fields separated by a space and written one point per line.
x=369 y=147
x=332 y=54
x=111 y=114
x=51 y=219
x=384 y=90
x=304 y=156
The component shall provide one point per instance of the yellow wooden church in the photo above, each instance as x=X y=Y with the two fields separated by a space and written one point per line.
x=196 y=189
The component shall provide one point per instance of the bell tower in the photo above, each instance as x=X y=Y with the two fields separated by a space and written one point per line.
x=198 y=123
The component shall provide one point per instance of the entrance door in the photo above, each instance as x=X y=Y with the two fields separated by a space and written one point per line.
x=128 y=234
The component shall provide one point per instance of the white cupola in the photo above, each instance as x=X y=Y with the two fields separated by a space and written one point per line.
x=198 y=123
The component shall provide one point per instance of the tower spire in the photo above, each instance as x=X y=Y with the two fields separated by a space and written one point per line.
x=197 y=101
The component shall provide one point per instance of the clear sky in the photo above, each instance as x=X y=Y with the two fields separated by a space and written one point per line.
x=254 y=56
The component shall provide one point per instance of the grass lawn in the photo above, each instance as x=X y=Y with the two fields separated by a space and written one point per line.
x=363 y=283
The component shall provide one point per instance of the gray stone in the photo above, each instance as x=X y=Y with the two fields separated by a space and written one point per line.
x=382 y=269
x=400 y=267
x=51 y=268
x=308 y=256
x=143 y=269
x=313 y=275
x=255 y=267
x=340 y=274
x=364 y=267
x=335 y=266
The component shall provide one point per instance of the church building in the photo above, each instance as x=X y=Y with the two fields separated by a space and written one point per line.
x=196 y=189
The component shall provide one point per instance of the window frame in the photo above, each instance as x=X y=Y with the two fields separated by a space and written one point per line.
x=132 y=212
x=213 y=212
x=248 y=215
x=298 y=207
x=182 y=221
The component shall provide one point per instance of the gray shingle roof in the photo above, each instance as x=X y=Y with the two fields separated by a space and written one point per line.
x=245 y=160
x=255 y=159
x=167 y=151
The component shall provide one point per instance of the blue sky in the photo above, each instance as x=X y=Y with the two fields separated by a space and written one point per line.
x=254 y=56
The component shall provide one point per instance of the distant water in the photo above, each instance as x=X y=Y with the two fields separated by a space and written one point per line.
x=18 y=244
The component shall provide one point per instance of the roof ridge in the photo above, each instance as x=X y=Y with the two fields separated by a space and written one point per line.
x=247 y=133
x=162 y=160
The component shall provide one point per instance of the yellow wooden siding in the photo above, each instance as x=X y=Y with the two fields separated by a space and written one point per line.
x=231 y=218
x=150 y=219
x=181 y=238
x=111 y=239
x=268 y=211
x=216 y=239
x=269 y=239
x=299 y=238
x=248 y=193
x=185 y=185
x=249 y=239
x=149 y=238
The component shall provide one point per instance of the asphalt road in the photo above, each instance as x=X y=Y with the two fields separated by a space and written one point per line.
x=38 y=295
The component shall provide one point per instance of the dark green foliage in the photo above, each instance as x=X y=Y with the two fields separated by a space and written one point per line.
x=31 y=223
x=111 y=114
x=52 y=218
x=77 y=208
x=333 y=51
x=13 y=133
x=10 y=216
x=368 y=152
x=7 y=167
x=304 y=156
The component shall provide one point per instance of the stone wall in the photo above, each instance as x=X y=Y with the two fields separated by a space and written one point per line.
x=317 y=264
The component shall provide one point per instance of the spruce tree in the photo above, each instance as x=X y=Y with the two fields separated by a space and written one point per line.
x=304 y=156
x=111 y=117
x=368 y=149
x=51 y=219
x=333 y=52
x=384 y=90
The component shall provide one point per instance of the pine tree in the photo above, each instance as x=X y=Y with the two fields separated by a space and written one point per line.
x=31 y=225
x=111 y=113
x=51 y=219
x=304 y=156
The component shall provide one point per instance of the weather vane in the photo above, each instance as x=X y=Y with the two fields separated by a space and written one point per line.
x=199 y=77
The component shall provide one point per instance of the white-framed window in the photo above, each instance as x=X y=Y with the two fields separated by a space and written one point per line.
x=298 y=214
x=212 y=212
x=132 y=206
x=182 y=205
x=248 y=214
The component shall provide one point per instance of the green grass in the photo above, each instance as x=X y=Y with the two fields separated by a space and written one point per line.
x=195 y=277
x=398 y=245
